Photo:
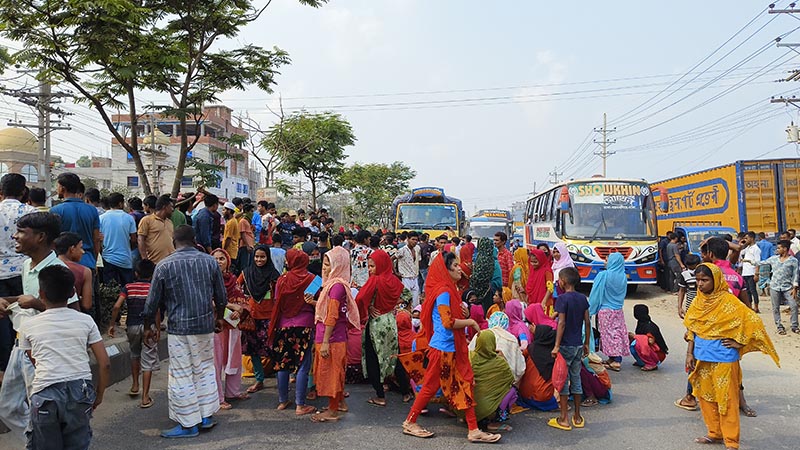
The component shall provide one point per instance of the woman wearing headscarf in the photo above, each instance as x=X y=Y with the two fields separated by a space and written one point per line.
x=476 y=312
x=290 y=330
x=505 y=343
x=228 y=343
x=258 y=282
x=519 y=275
x=483 y=273
x=536 y=386
x=405 y=332
x=561 y=259
x=495 y=393
x=540 y=282
x=605 y=302
x=335 y=309
x=516 y=324
x=647 y=345
x=465 y=256
x=448 y=357
x=376 y=303
x=721 y=330
x=499 y=300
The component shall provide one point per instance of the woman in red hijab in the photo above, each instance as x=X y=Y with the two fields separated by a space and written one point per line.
x=290 y=330
x=540 y=282
x=448 y=355
x=376 y=303
x=465 y=257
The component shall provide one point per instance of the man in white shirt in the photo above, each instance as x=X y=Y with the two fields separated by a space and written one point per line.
x=794 y=240
x=12 y=186
x=408 y=266
x=750 y=258
x=35 y=235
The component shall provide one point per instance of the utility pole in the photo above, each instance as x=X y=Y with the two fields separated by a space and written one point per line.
x=43 y=102
x=793 y=75
x=604 y=153
x=555 y=174
x=157 y=189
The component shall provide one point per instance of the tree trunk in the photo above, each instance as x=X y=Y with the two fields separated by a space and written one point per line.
x=179 y=169
x=134 y=150
x=313 y=193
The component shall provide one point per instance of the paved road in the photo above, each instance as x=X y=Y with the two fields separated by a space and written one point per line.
x=641 y=417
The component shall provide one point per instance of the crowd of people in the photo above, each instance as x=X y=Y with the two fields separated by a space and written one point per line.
x=488 y=328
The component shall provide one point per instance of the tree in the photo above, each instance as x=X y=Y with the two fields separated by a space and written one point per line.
x=373 y=187
x=84 y=161
x=312 y=145
x=111 y=50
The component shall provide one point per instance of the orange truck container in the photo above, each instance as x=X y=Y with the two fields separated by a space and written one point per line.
x=744 y=195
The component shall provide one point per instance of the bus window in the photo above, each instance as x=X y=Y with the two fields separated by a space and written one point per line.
x=554 y=205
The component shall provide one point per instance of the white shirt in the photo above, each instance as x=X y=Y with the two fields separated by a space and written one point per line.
x=30 y=286
x=408 y=261
x=58 y=339
x=795 y=245
x=11 y=261
x=750 y=258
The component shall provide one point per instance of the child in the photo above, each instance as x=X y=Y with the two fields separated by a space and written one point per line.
x=647 y=346
x=687 y=286
x=573 y=319
x=62 y=396
x=475 y=312
x=69 y=248
x=144 y=355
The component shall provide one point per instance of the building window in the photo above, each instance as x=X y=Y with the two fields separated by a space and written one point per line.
x=30 y=173
x=189 y=155
x=244 y=189
x=186 y=182
x=3 y=169
x=238 y=188
x=106 y=184
x=133 y=181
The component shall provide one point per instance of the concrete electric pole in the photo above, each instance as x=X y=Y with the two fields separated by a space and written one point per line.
x=604 y=153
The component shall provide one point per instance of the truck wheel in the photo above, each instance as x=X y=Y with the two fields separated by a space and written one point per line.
x=632 y=288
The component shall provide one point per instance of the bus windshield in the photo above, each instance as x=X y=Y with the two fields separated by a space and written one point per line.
x=608 y=210
x=486 y=229
x=426 y=216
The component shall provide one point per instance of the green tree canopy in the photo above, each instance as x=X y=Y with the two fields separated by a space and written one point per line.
x=312 y=145
x=111 y=50
x=373 y=187
x=84 y=161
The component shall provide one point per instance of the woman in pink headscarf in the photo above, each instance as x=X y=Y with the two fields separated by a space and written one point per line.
x=516 y=325
x=561 y=259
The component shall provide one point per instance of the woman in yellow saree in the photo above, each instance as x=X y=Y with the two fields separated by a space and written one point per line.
x=721 y=329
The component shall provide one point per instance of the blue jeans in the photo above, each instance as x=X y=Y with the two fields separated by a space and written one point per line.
x=574 y=359
x=60 y=415
x=301 y=383
x=258 y=368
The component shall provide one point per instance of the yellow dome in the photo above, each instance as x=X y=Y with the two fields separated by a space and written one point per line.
x=18 y=139
x=160 y=138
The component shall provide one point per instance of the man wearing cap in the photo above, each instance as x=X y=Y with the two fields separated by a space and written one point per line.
x=231 y=235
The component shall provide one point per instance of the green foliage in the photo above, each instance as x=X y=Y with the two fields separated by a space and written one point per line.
x=112 y=49
x=373 y=187
x=312 y=145
x=107 y=295
x=84 y=161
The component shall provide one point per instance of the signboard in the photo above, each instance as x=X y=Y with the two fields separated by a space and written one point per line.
x=428 y=192
x=269 y=194
x=697 y=199
x=610 y=195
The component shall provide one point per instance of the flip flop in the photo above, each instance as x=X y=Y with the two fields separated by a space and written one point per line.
x=304 y=410
x=133 y=393
x=707 y=440
x=484 y=438
x=500 y=428
x=554 y=423
x=682 y=406
x=284 y=405
x=589 y=403
x=418 y=432
x=580 y=424
x=146 y=405
x=318 y=418
x=255 y=388
x=225 y=406
x=374 y=402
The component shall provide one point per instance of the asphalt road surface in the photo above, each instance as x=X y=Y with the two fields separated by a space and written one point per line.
x=642 y=415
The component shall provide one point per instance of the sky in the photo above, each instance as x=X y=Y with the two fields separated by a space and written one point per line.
x=486 y=99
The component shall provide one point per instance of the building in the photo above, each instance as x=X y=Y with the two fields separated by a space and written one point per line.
x=19 y=153
x=160 y=145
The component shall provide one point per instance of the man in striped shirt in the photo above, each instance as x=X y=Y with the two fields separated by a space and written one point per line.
x=189 y=284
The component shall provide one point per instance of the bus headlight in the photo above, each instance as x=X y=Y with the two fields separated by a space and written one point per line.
x=647 y=259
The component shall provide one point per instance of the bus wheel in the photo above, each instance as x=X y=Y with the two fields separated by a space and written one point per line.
x=632 y=288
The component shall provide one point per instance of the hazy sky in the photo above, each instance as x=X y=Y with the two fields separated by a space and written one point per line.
x=485 y=98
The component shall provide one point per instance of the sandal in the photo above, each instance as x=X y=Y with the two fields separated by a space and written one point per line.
x=707 y=440
x=133 y=393
x=580 y=424
x=679 y=404
x=407 y=398
x=242 y=396
x=555 y=424
x=649 y=369
x=304 y=410
x=284 y=405
x=796 y=330
x=225 y=406
x=748 y=411
x=616 y=367
x=147 y=404
x=782 y=331
x=375 y=402
x=320 y=418
x=499 y=428
x=481 y=437
x=255 y=388
x=413 y=429
x=589 y=403
x=312 y=395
